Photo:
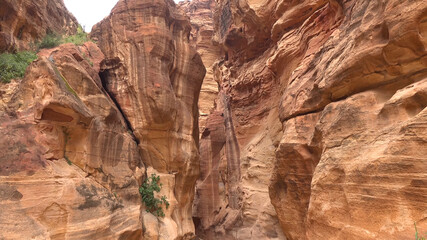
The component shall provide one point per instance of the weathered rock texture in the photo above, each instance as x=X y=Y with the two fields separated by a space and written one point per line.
x=200 y=13
x=328 y=99
x=69 y=169
x=155 y=76
x=24 y=22
x=237 y=145
x=82 y=125
x=318 y=131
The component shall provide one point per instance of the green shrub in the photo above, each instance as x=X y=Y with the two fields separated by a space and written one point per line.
x=79 y=38
x=13 y=65
x=153 y=204
x=49 y=41
x=52 y=40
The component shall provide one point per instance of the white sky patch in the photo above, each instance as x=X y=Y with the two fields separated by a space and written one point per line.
x=90 y=12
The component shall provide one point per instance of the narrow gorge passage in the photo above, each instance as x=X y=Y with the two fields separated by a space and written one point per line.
x=263 y=119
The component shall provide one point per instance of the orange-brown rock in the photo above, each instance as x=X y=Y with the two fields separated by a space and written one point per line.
x=24 y=22
x=69 y=169
x=237 y=145
x=155 y=76
x=200 y=13
x=329 y=97
x=361 y=64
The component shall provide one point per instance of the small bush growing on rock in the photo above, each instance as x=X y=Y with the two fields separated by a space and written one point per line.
x=13 y=65
x=51 y=40
x=153 y=204
x=79 y=38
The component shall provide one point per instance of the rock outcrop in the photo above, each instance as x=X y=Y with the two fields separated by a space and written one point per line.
x=329 y=96
x=155 y=76
x=69 y=168
x=24 y=22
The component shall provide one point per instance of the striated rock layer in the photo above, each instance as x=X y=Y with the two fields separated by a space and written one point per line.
x=200 y=13
x=69 y=169
x=24 y=22
x=326 y=99
x=354 y=124
x=237 y=145
x=82 y=126
x=155 y=76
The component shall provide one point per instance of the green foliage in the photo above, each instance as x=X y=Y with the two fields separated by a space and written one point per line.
x=49 y=41
x=13 y=65
x=53 y=40
x=153 y=204
x=417 y=236
x=79 y=38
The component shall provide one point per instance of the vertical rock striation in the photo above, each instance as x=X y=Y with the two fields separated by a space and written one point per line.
x=237 y=145
x=155 y=77
x=81 y=127
x=200 y=13
x=317 y=129
x=329 y=97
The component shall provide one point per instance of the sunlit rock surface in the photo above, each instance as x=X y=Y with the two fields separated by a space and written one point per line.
x=317 y=129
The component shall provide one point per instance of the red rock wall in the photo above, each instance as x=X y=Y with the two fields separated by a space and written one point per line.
x=318 y=130
x=200 y=13
x=326 y=100
x=69 y=169
x=23 y=22
x=86 y=125
x=155 y=77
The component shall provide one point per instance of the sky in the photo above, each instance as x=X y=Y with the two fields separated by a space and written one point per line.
x=90 y=12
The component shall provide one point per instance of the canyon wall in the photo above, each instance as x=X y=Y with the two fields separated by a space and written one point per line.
x=328 y=100
x=237 y=144
x=88 y=124
x=155 y=76
x=312 y=121
x=202 y=30
x=24 y=22
x=69 y=169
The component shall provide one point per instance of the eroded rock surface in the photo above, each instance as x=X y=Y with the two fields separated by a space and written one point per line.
x=69 y=169
x=326 y=99
x=318 y=130
x=155 y=77
x=200 y=13
x=24 y=22
x=237 y=145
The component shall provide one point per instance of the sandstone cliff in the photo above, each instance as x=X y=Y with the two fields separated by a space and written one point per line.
x=155 y=77
x=68 y=168
x=312 y=116
x=87 y=124
x=24 y=22
x=329 y=96
x=237 y=148
x=202 y=30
